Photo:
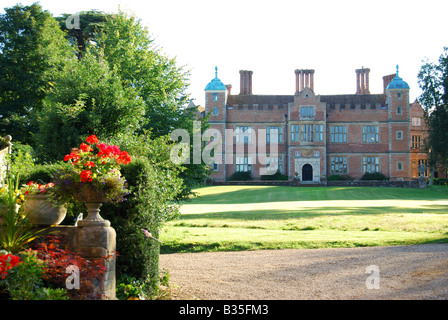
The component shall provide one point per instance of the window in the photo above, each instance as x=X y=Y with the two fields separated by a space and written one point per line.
x=243 y=134
x=416 y=122
x=338 y=165
x=399 y=110
x=275 y=163
x=319 y=129
x=295 y=132
x=398 y=95
x=306 y=112
x=307 y=132
x=215 y=96
x=280 y=164
x=370 y=134
x=399 y=165
x=243 y=164
x=215 y=166
x=338 y=134
x=399 y=135
x=416 y=142
x=370 y=164
x=215 y=111
x=274 y=131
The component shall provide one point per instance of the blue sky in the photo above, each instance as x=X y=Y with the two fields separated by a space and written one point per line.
x=273 y=38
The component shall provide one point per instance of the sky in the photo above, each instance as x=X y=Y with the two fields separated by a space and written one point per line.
x=274 y=38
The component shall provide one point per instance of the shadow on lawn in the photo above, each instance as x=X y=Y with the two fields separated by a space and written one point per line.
x=307 y=213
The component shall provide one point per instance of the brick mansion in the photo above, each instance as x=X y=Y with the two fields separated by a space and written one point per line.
x=321 y=135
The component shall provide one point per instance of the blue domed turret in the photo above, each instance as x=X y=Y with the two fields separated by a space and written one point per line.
x=397 y=83
x=215 y=84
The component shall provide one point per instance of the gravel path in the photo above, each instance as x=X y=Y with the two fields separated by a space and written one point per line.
x=405 y=272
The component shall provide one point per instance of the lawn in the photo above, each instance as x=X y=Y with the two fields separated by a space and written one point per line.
x=225 y=218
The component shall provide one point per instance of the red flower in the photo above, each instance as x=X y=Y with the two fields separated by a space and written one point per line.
x=72 y=156
x=85 y=147
x=108 y=151
x=29 y=183
x=92 y=139
x=89 y=164
x=123 y=158
x=8 y=261
x=86 y=176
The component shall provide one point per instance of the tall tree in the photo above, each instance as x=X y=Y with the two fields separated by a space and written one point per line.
x=82 y=28
x=32 y=50
x=87 y=98
x=162 y=85
x=433 y=80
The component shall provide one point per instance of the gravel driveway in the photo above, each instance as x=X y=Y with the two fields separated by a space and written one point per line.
x=398 y=272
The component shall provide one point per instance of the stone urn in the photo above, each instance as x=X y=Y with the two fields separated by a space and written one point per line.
x=93 y=201
x=41 y=212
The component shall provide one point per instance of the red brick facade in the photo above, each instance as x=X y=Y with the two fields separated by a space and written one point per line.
x=319 y=135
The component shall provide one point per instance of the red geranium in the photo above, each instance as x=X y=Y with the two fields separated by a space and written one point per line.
x=7 y=261
x=72 y=156
x=89 y=164
x=85 y=147
x=92 y=139
x=123 y=158
x=86 y=176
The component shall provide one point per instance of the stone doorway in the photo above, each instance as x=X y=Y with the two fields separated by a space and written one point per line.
x=307 y=172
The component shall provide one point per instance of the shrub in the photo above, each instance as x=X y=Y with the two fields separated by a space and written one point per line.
x=374 y=176
x=440 y=181
x=276 y=176
x=56 y=261
x=25 y=280
x=148 y=205
x=241 y=176
x=44 y=173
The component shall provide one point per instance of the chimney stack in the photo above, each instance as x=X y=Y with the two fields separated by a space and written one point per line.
x=304 y=78
x=387 y=79
x=245 y=82
x=229 y=89
x=362 y=81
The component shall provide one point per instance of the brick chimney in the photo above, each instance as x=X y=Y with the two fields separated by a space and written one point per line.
x=229 y=89
x=387 y=79
x=245 y=82
x=362 y=81
x=304 y=78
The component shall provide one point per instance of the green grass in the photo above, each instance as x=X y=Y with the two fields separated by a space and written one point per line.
x=225 y=218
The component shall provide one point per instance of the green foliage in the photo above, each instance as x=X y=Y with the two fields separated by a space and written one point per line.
x=87 y=98
x=24 y=281
x=44 y=173
x=148 y=206
x=90 y=24
x=32 y=47
x=276 y=176
x=374 y=176
x=15 y=230
x=21 y=159
x=433 y=80
x=241 y=176
x=3 y=143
